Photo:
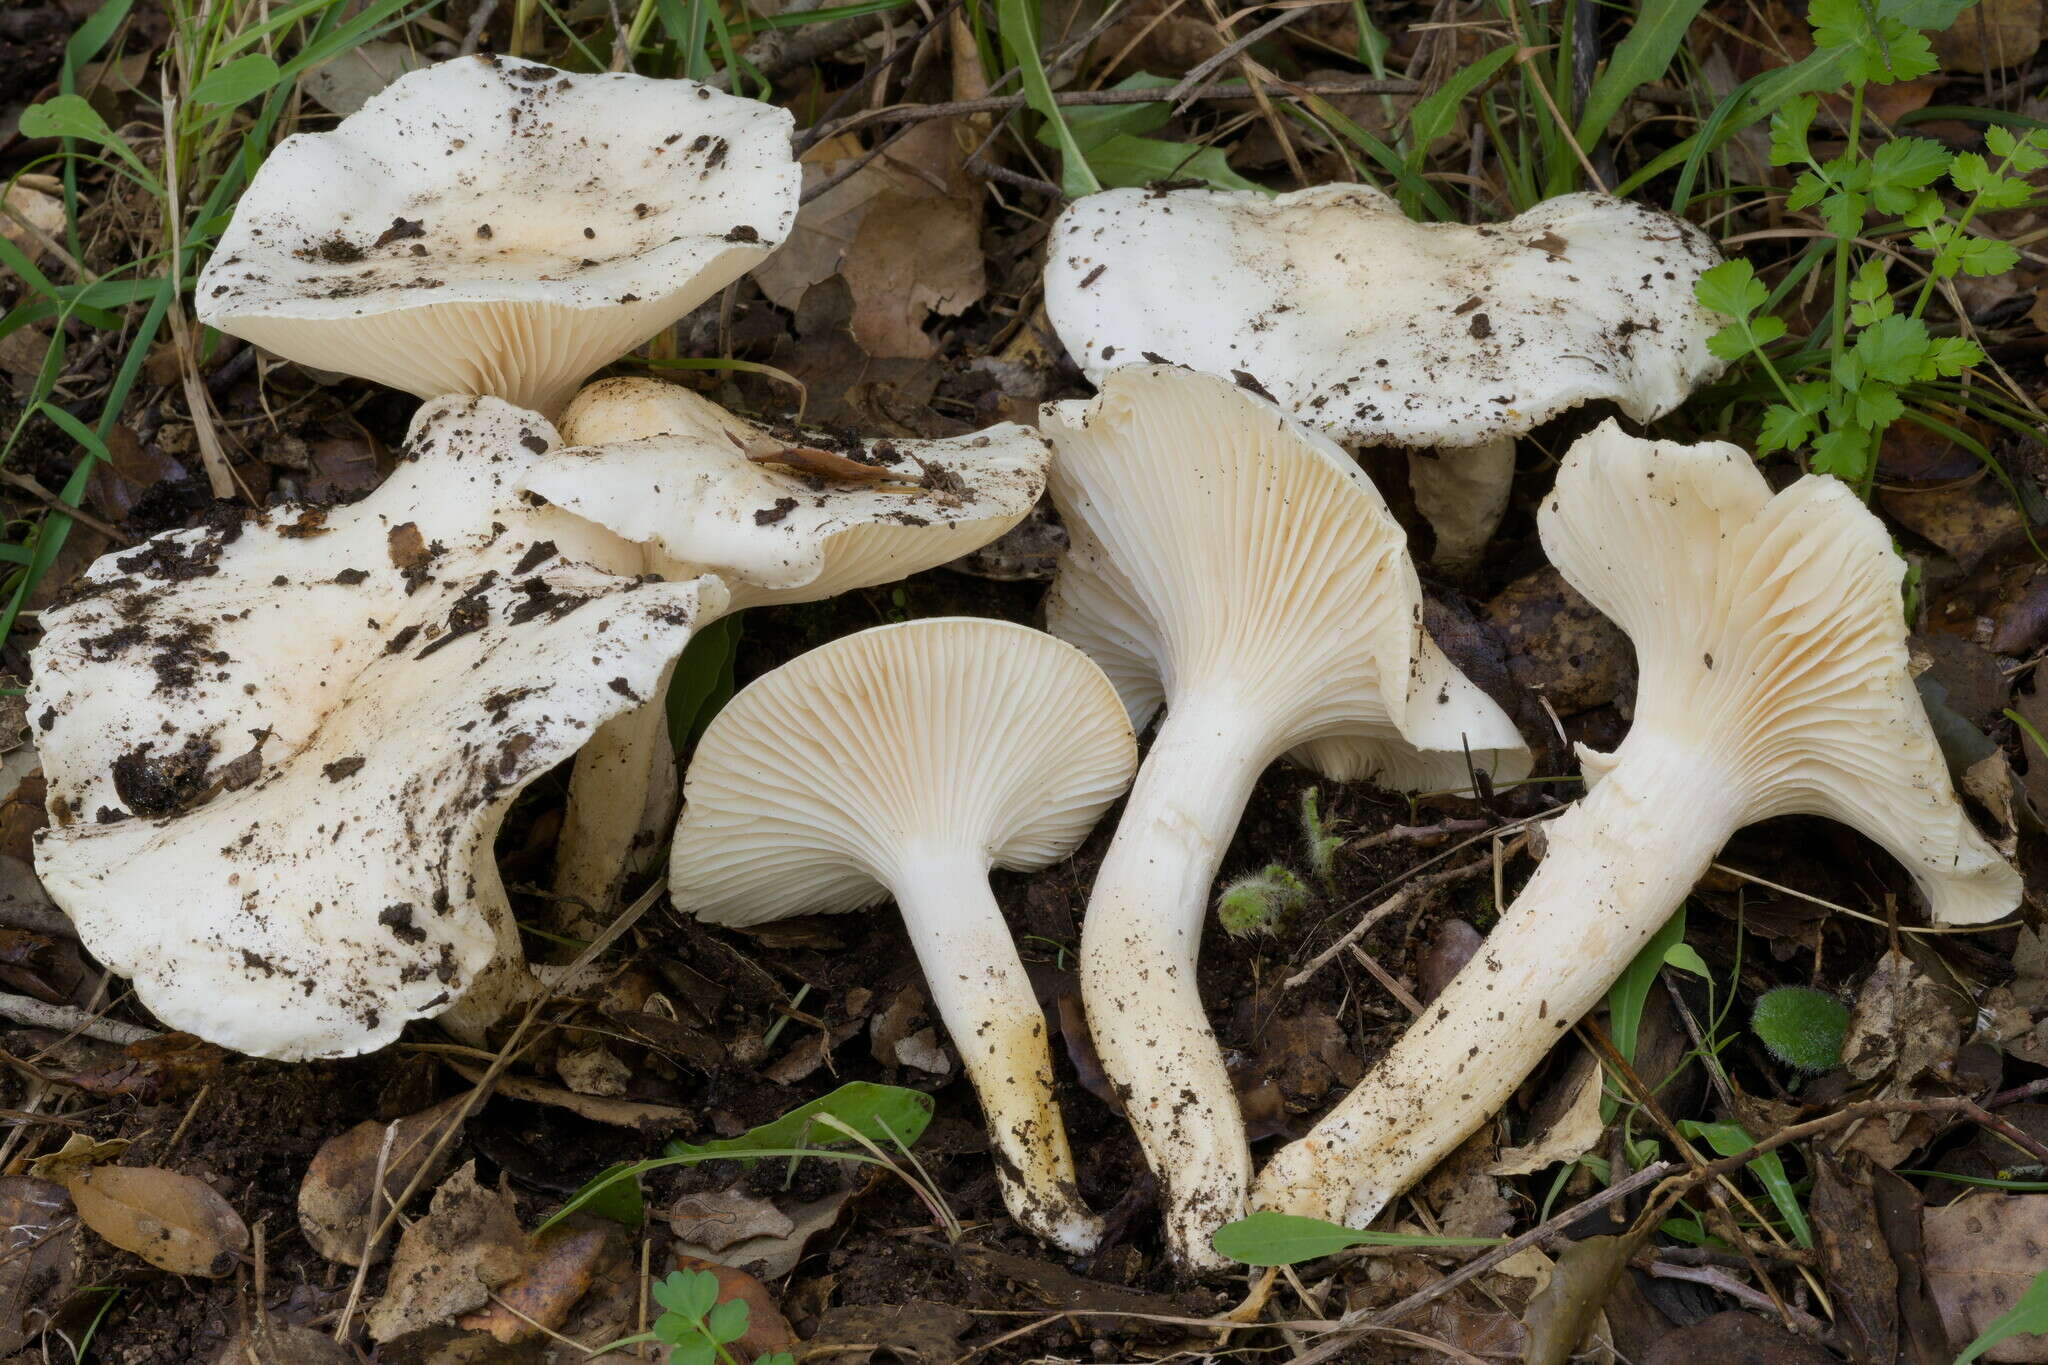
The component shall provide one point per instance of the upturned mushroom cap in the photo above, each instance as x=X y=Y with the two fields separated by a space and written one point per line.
x=1769 y=630
x=278 y=750
x=494 y=226
x=1238 y=568
x=1380 y=330
x=1217 y=543
x=784 y=515
x=813 y=785
x=904 y=762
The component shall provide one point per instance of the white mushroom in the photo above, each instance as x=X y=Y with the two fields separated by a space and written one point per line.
x=1448 y=339
x=903 y=763
x=1239 y=569
x=782 y=515
x=278 y=750
x=1774 y=682
x=493 y=226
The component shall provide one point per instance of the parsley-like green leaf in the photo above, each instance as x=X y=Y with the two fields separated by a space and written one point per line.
x=1732 y=288
x=1844 y=454
x=1789 y=128
x=1902 y=166
x=1948 y=357
x=1890 y=350
x=1783 y=428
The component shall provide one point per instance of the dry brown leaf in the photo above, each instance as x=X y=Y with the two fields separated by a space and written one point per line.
x=1567 y=1307
x=41 y=210
x=38 y=1236
x=563 y=1264
x=594 y=1070
x=912 y=257
x=334 y=1200
x=1981 y=1253
x=772 y=1257
x=768 y=1331
x=77 y=1154
x=718 y=1218
x=1568 y=1138
x=448 y=1262
x=1990 y=35
x=919 y=1330
x=1901 y=1024
x=175 y=1222
x=154 y=1070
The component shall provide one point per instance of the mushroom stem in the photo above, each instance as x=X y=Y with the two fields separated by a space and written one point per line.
x=1138 y=951
x=622 y=798
x=1619 y=864
x=1462 y=493
x=980 y=989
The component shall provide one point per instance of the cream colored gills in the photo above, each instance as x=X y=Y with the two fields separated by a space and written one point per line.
x=904 y=762
x=1774 y=681
x=1238 y=569
x=681 y=487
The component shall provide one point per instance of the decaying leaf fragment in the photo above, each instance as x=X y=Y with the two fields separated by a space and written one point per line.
x=448 y=1262
x=336 y=1208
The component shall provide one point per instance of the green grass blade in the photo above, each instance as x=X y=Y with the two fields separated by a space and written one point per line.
x=1643 y=56
x=1014 y=20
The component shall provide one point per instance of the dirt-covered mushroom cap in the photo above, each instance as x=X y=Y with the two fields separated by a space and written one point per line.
x=904 y=762
x=1239 y=569
x=1380 y=330
x=1774 y=681
x=278 y=749
x=494 y=226
x=783 y=514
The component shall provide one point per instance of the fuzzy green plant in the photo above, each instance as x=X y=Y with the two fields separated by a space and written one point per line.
x=1258 y=903
x=1319 y=842
x=1802 y=1027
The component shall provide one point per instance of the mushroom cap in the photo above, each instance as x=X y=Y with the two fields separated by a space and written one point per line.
x=676 y=479
x=278 y=750
x=494 y=226
x=814 y=784
x=1217 y=545
x=1380 y=330
x=1769 y=630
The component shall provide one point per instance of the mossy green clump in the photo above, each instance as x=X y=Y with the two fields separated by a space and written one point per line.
x=1802 y=1027
x=1256 y=904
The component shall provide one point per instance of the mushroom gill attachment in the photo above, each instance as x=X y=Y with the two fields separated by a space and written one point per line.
x=904 y=762
x=1452 y=340
x=1772 y=645
x=1238 y=569
x=494 y=226
x=279 y=749
x=782 y=514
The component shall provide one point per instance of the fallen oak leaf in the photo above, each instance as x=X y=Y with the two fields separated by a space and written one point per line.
x=176 y=1222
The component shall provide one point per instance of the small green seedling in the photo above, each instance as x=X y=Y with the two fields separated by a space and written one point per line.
x=1802 y=1027
x=1258 y=903
x=1321 y=843
x=698 y=1328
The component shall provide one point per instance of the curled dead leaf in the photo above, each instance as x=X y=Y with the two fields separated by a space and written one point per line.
x=448 y=1262
x=77 y=1154
x=718 y=1218
x=176 y=1222
x=154 y=1070
x=563 y=1264
x=336 y=1196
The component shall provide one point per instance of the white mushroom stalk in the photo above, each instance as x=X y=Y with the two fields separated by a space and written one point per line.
x=278 y=750
x=1239 y=569
x=494 y=226
x=1377 y=330
x=1771 y=640
x=904 y=762
x=782 y=515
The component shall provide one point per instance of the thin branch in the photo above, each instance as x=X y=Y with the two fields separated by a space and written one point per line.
x=1385 y=908
x=24 y=1009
